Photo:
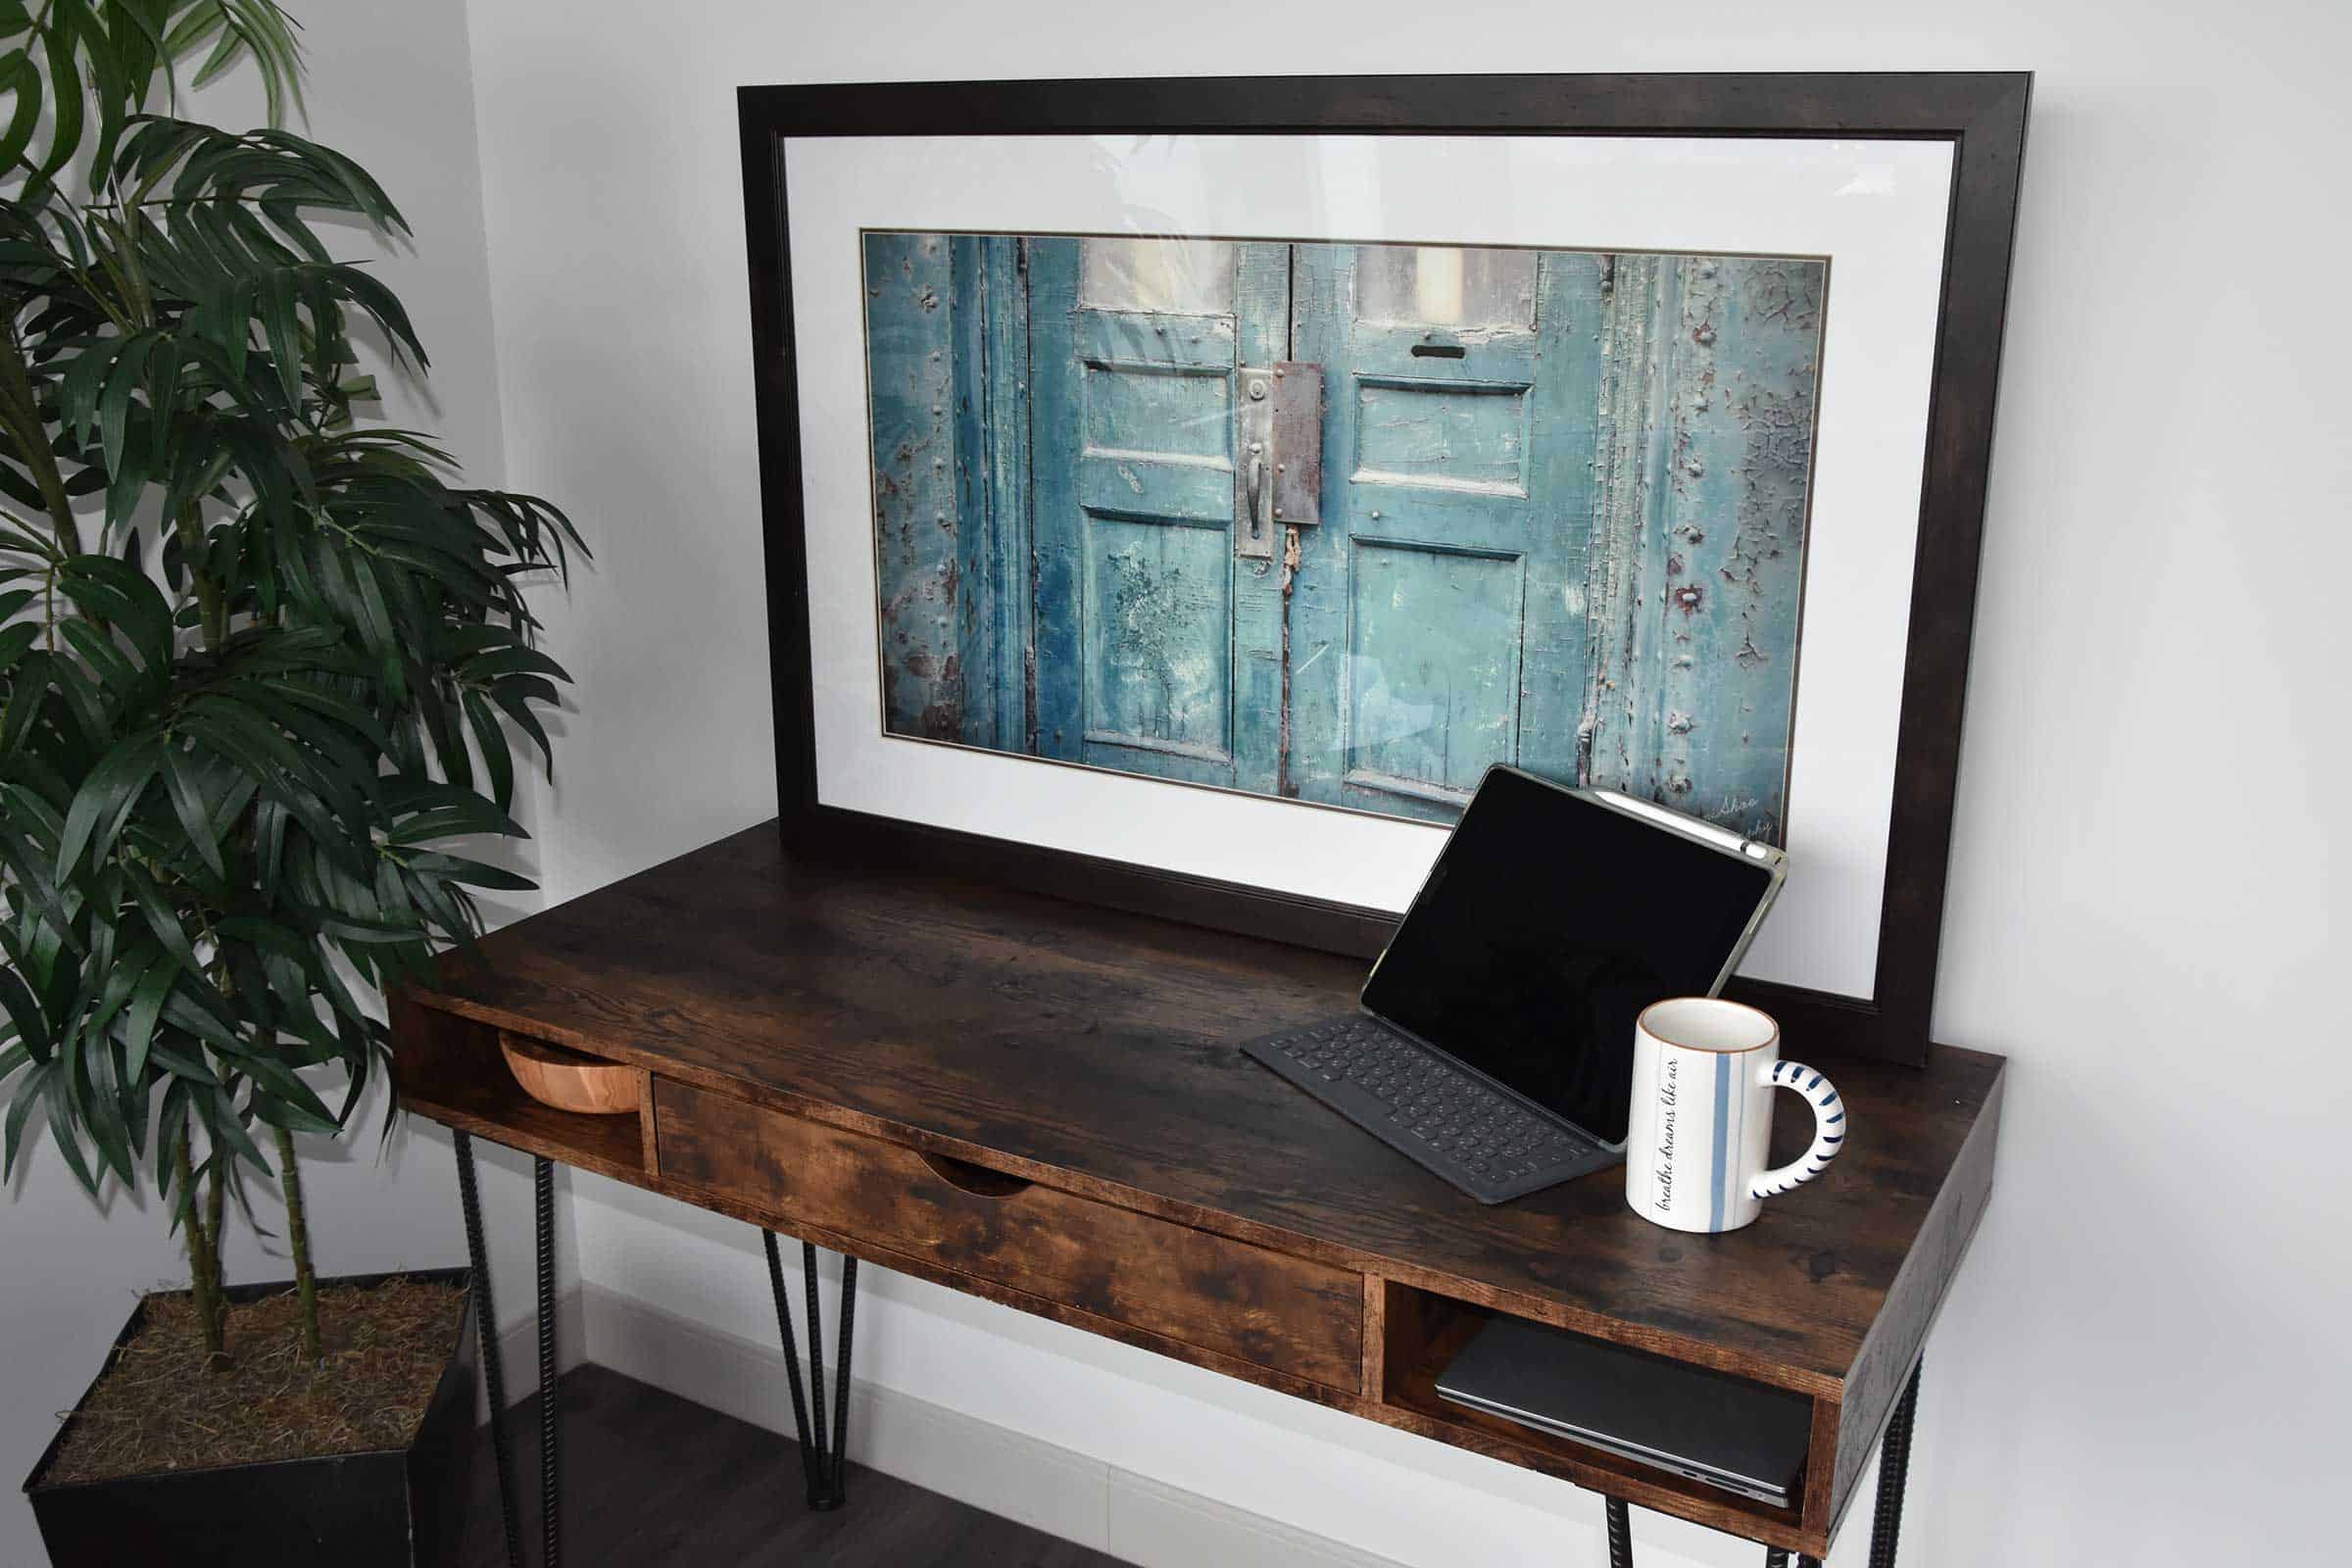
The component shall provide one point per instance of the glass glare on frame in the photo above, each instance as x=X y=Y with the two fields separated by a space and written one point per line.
x=1178 y=276
x=1445 y=286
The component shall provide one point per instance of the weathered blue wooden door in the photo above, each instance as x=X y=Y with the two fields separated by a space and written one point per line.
x=1156 y=649
x=1438 y=624
x=1564 y=508
x=1559 y=520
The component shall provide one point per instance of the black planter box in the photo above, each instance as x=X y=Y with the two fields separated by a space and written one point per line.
x=393 y=1508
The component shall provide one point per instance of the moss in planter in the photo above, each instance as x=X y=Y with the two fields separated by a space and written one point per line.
x=158 y=1409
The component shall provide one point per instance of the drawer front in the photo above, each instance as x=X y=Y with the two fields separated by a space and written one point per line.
x=1279 y=1312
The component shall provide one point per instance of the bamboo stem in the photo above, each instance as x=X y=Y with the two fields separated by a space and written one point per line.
x=212 y=610
x=203 y=1259
x=298 y=1241
x=211 y=605
x=214 y=1207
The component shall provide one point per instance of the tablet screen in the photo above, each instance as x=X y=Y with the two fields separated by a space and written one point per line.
x=1547 y=924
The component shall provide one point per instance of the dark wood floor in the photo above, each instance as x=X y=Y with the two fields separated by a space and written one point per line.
x=649 y=1479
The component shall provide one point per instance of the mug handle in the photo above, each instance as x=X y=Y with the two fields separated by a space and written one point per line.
x=1829 y=1129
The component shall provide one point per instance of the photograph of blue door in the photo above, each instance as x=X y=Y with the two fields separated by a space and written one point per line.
x=1347 y=523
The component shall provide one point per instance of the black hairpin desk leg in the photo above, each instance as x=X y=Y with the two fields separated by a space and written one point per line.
x=494 y=1375
x=1621 y=1537
x=824 y=1456
x=1895 y=1465
x=485 y=1325
x=551 y=1516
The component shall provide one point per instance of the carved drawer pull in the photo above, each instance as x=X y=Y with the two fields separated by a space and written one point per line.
x=977 y=1180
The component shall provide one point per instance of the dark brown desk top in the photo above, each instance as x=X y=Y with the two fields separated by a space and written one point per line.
x=1095 y=1051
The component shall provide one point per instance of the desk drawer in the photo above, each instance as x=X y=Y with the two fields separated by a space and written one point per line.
x=1279 y=1312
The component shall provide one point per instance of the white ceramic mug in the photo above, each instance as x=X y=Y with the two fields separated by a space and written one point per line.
x=1704 y=1072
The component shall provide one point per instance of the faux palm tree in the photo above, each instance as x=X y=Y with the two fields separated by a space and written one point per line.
x=256 y=659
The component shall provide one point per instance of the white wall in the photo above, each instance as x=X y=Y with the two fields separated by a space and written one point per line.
x=2138 y=1364
x=389 y=86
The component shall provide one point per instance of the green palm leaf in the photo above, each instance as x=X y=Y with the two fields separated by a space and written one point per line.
x=260 y=662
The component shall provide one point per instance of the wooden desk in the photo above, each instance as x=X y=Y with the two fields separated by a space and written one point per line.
x=1040 y=1103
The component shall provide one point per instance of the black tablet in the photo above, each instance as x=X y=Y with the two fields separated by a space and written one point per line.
x=1551 y=918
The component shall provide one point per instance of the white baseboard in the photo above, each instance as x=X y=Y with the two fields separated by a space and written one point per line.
x=1049 y=1488
x=1155 y=1525
x=518 y=1349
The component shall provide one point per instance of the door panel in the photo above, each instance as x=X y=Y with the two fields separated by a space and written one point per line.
x=1433 y=667
x=1444 y=285
x=1181 y=276
x=1144 y=485
x=1159 y=412
x=1154 y=655
x=1438 y=617
x=1159 y=647
x=1442 y=435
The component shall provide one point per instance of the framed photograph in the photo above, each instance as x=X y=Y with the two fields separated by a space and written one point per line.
x=1180 y=491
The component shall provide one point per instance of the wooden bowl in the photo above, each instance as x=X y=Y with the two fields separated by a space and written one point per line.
x=570 y=1081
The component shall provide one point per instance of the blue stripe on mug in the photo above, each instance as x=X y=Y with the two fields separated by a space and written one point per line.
x=1719 y=1173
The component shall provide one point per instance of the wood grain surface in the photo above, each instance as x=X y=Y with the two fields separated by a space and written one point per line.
x=1261 y=1306
x=565 y=1080
x=1093 y=1053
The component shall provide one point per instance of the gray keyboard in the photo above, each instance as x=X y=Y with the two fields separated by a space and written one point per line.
x=1487 y=1143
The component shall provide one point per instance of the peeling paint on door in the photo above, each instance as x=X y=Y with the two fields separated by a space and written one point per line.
x=1708 y=403
x=1562 y=517
x=915 y=505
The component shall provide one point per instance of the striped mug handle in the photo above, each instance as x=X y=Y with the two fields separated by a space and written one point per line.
x=1829 y=1129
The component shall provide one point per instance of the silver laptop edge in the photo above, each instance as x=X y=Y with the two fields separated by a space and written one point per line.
x=1729 y=1480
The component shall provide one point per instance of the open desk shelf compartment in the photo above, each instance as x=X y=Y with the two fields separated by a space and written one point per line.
x=451 y=1068
x=1421 y=1335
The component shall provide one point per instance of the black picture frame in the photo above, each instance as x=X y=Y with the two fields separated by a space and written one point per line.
x=1983 y=115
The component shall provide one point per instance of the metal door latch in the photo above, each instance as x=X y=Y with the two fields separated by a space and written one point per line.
x=1278 y=451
